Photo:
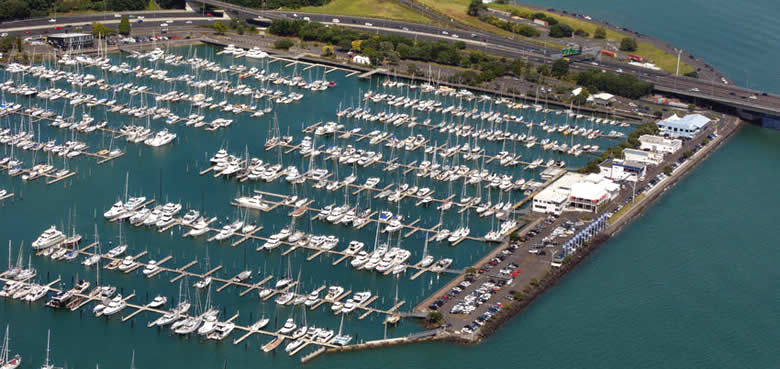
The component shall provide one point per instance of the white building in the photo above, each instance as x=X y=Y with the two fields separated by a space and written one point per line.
x=688 y=126
x=575 y=192
x=659 y=144
x=602 y=98
x=623 y=170
x=360 y=59
x=647 y=157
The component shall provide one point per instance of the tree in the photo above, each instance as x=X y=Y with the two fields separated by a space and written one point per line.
x=126 y=4
x=475 y=7
x=561 y=30
x=355 y=45
x=124 y=26
x=283 y=44
x=581 y=32
x=582 y=97
x=543 y=69
x=101 y=30
x=628 y=44
x=560 y=68
x=7 y=44
x=435 y=317
x=600 y=33
x=219 y=27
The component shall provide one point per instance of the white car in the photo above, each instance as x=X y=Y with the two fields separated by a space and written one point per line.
x=117 y=15
x=694 y=89
x=335 y=20
x=52 y=20
x=188 y=22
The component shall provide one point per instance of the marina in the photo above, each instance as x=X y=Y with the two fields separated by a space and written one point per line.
x=376 y=195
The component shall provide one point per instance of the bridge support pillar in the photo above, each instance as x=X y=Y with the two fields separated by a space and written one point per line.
x=194 y=7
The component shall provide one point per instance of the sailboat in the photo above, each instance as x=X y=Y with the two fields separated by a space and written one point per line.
x=46 y=364
x=7 y=362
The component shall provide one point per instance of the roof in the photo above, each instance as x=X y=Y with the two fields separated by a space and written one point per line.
x=603 y=96
x=658 y=140
x=637 y=152
x=588 y=191
x=576 y=91
x=551 y=195
x=690 y=121
x=69 y=35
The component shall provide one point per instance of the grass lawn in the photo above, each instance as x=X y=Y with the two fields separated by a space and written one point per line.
x=152 y=5
x=661 y=58
x=456 y=9
x=389 y=9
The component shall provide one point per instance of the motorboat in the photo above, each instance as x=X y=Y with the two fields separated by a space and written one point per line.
x=158 y=301
x=312 y=298
x=289 y=327
x=127 y=263
x=48 y=238
x=203 y=283
x=334 y=292
x=243 y=276
x=151 y=268
x=260 y=324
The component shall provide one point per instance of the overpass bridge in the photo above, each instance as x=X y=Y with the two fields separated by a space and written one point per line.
x=750 y=104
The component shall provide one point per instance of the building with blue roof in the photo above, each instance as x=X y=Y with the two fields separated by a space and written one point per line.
x=687 y=127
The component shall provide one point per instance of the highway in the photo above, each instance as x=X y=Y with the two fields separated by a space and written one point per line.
x=728 y=94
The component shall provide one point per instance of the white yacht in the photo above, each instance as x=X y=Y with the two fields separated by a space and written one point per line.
x=48 y=238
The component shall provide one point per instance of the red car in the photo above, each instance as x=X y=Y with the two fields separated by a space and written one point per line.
x=58 y=27
x=515 y=272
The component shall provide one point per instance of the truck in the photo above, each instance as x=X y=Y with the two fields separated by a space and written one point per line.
x=571 y=51
x=607 y=53
x=635 y=58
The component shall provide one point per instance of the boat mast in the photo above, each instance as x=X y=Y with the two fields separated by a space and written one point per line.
x=48 y=340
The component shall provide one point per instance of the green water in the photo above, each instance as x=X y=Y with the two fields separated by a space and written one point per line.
x=171 y=174
x=692 y=283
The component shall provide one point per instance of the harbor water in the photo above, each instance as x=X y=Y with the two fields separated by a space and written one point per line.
x=690 y=284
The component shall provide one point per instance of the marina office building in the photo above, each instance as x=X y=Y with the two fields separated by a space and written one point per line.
x=659 y=144
x=623 y=170
x=70 y=41
x=575 y=192
x=683 y=127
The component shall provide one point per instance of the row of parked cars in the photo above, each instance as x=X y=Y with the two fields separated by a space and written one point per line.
x=479 y=296
x=139 y=39
x=484 y=317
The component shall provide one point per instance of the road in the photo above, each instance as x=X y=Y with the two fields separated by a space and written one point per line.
x=727 y=94
x=40 y=26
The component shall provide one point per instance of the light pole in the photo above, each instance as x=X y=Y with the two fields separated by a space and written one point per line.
x=677 y=74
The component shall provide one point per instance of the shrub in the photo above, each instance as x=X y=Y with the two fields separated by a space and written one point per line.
x=124 y=26
x=283 y=44
x=600 y=33
x=628 y=44
x=561 y=30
